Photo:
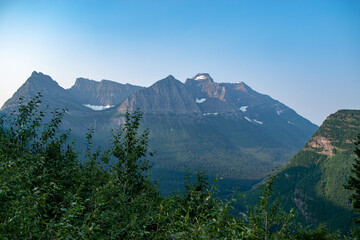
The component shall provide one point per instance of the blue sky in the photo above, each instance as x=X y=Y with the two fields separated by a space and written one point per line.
x=305 y=54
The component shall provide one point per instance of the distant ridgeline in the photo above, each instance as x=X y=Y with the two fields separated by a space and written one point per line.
x=312 y=182
x=226 y=129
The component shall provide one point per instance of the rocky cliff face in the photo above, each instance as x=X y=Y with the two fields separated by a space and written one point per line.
x=101 y=93
x=321 y=145
x=209 y=96
x=202 y=85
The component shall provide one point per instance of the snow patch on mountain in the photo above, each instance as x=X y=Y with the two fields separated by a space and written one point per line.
x=200 y=77
x=248 y=119
x=279 y=112
x=243 y=108
x=200 y=100
x=209 y=114
x=98 y=107
x=257 y=121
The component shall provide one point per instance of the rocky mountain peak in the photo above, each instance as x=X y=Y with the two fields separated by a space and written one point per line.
x=170 y=77
x=242 y=87
x=35 y=74
x=169 y=81
x=40 y=78
x=202 y=85
x=82 y=80
x=53 y=94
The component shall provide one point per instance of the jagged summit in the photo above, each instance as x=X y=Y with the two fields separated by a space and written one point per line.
x=170 y=77
x=35 y=73
x=38 y=74
x=38 y=82
x=168 y=80
x=40 y=78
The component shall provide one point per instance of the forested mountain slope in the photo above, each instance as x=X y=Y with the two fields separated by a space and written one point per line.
x=312 y=182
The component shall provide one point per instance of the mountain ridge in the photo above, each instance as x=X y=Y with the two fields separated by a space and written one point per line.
x=223 y=128
x=105 y=92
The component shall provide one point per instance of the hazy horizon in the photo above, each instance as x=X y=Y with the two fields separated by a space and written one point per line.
x=306 y=54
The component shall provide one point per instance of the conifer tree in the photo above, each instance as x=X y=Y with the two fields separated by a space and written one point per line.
x=354 y=181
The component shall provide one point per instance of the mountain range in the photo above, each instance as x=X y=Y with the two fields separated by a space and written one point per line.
x=226 y=129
